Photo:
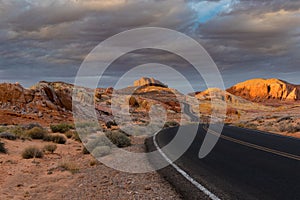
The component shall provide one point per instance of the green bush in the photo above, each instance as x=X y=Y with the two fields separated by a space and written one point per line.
x=32 y=152
x=118 y=138
x=101 y=151
x=50 y=148
x=61 y=128
x=2 y=129
x=36 y=133
x=101 y=140
x=2 y=148
x=56 y=138
x=18 y=131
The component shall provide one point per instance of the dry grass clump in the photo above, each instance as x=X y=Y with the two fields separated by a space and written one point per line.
x=61 y=128
x=56 y=138
x=69 y=166
x=32 y=152
x=36 y=133
x=50 y=148
x=288 y=127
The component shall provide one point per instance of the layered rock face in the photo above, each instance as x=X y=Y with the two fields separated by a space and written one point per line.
x=260 y=90
x=42 y=96
x=148 y=82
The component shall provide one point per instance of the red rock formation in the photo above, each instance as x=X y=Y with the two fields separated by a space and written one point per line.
x=261 y=90
x=148 y=82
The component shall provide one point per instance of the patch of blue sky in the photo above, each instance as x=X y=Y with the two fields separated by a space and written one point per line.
x=207 y=10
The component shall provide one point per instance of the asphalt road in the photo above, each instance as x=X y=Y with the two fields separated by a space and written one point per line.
x=244 y=164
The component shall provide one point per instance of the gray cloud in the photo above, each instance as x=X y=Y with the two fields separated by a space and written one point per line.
x=51 y=38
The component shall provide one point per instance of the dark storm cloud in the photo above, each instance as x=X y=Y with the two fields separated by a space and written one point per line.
x=256 y=34
x=51 y=38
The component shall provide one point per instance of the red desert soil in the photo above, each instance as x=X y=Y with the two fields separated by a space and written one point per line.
x=45 y=179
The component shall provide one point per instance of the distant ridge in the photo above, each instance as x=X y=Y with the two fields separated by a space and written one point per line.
x=262 y=90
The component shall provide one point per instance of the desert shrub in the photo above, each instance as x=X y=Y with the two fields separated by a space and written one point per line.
x=76 y=136
x=2 y=148
x=241 y=125
x=171 y=124
x=93 y=162
x=50 y=148
x=69 y=166
x=290 y=128
x=109 y=124
x=251 y=126
x=32 y=152
x=61 y=128
x=31 y=126
x=85 y=150
x=8 y=136
x=2 y=129
x=287 y=118
x=118 y=138
x=101 y=151
x=18 y=131
x=100 y=140
x=69 y=134
x=86 y=124
x=36 y=133
x=56 y=138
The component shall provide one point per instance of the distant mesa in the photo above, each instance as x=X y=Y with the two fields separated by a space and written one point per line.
x=148 y=82
x=262 y=90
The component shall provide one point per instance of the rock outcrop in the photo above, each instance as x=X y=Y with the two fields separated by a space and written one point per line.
x=148 y=82
x=262 y=90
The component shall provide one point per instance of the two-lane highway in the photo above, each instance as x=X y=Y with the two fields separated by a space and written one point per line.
x=244 y=164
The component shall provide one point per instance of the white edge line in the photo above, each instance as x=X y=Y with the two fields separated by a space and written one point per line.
x=184 y=174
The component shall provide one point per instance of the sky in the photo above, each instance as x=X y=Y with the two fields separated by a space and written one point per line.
x=48 y=40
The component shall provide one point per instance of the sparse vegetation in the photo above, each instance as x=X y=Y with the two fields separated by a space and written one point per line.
x=36 y=133
x=18 y=131
x=69 y=166
x=251 y=126
x=3 y=129
x=31 y=126
x=171 y=124
x=61 y=128
x=32 y=152
x=8 y=136
x=93 y=162
x=85 y=150
x=100 y=140
x=290 y=128
x=118 y=138
x=101 y=151
x=2 y=147
x=50 y=148
x=56 y=138
x=76 y=136
x=69 y=134
x=109 y=124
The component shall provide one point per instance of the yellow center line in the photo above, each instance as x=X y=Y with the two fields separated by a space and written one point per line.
x=254 y=146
